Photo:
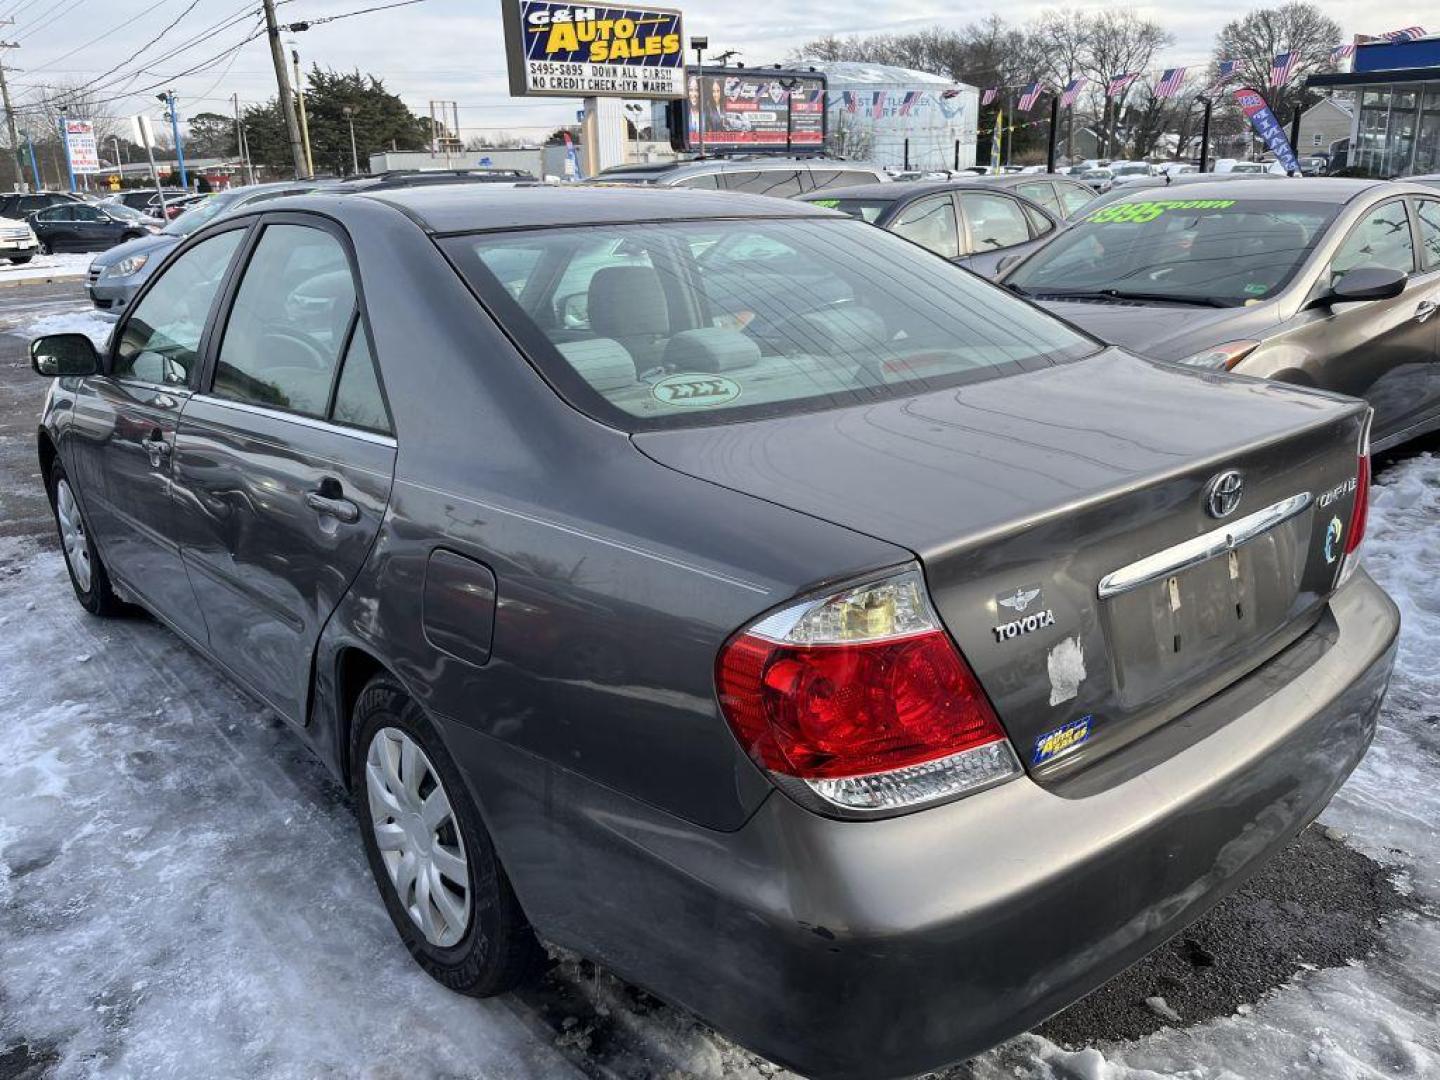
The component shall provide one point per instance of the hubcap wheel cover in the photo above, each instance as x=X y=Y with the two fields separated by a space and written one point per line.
x=418 y=836
x=72 y=535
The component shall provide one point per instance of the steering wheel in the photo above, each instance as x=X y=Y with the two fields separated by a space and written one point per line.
x=299 y=351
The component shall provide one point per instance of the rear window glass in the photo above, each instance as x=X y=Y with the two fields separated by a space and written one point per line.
x=1225 y=252
x=658 y=325
x=864 y=209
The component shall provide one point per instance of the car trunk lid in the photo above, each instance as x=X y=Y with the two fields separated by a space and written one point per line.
x=1021 y=495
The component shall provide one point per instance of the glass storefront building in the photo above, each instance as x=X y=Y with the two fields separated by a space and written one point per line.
x=1397 y=119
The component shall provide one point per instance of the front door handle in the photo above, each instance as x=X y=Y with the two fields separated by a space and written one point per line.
x=157 y=450
x=329 y=501
x=1424 y=310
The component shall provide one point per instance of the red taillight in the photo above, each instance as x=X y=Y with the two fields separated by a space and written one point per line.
x=864 y=697
x=1361 y=509
x=826 y=711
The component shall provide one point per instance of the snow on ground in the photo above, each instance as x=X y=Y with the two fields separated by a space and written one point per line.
x=183 y=891
x=62 y=264
x=91 y=322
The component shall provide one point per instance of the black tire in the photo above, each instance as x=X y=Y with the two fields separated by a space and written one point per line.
x=96 y=597
x=497 y=951
x=20 y=260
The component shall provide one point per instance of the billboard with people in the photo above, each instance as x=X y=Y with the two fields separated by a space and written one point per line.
x=751 y=110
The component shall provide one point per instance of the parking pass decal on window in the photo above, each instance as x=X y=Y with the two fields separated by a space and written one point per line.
x=1141 y=212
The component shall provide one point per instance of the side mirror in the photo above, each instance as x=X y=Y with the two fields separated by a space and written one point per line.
x=1006 y=263
x=1367 y=283
x=60 y=356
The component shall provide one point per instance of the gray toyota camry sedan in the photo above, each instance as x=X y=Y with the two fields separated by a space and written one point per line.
x=827 y=640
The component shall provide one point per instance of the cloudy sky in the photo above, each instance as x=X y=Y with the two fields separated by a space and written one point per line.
x=452 y=49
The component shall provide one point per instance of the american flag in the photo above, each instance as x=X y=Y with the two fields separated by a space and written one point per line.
x=1282 y=67
x=849 y=99
x=878 y=109
x=1030 y=96
x=1171 y=79
x=1072 y=91
x=1410 y=33
x=1120 y=83
x=911 y=97
x=1228 y=70
x=1340 y=52
x=989 y=96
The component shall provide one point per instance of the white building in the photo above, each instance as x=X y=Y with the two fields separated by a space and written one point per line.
x=899 y=117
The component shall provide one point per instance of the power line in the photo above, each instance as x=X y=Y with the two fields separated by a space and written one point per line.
x=101 y=37
x=308 y=23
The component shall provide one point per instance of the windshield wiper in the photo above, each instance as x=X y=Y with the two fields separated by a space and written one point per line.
x=1143 y=297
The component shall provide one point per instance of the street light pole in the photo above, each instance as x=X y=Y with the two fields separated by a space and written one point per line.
x=700 y=44
x=354 y=155
x=169 y=98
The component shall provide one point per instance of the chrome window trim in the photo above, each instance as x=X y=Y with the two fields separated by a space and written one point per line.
x=297 y=418
x=1202 y=548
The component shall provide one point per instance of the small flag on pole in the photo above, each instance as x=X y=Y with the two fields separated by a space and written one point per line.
x=1030 y=96
x=988 y=97
x=1410 y=33
x=1120 y=83
x=1282 y=67
x=1171 y=79
x=878 y=109
x=1072 y=91
x=1228 y=70
x=911 y=97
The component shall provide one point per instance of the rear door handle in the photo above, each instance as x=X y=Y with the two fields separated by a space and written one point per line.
x=330 y=502
x=156 y=449
x=1424 y=310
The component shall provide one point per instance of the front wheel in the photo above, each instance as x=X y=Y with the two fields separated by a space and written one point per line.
x=431 y=855
x=20 y=260
x=87 y=572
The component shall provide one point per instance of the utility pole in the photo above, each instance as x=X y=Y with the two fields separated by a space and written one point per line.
x=287 y=101
x=304 y=123
x=9 y=112
x=354 y=155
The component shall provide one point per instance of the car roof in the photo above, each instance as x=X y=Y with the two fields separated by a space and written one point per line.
x=456 y=208
x=896 y=190
x=729 y=164
x=1306 y=189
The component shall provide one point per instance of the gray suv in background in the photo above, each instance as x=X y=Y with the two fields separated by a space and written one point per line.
x=780 y=177
x=117 y=273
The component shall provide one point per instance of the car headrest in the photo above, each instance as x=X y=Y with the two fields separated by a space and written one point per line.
x=602 y=362
x=627 y=301
x=711 y=350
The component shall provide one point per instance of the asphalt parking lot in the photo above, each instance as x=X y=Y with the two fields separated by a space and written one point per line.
x=183 y=891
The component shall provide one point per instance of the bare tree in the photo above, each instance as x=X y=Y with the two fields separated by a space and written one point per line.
x=1255 y=39
x=1120 y=42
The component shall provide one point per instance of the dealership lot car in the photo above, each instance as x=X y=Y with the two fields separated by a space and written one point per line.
x=1322 y=282
x=1059 y=194
x=803 y=627
x=969 y=223
x=80 y=226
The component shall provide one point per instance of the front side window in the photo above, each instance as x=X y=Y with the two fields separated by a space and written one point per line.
x=995 y=222
x=1224 y=252
x=1382 y=239
x=931 y=224
x=289 y=322
x=160 y=341
x=722 y=320
x=1427 y=215
x=780 y=183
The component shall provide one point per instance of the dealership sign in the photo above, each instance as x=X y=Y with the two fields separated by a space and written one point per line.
x=564 y=50
x=1262 y=119
x=80 y=145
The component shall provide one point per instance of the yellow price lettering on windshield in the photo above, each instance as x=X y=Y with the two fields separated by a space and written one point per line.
x=1138 y=213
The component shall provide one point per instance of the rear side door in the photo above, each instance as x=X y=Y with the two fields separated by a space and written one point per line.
x=1381 y=350
x=56 y=228
x=283 y=461
x=123 y=428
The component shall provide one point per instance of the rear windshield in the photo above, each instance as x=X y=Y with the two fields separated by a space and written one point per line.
x=1224 y=252
x=864 y=209
x=661 y=325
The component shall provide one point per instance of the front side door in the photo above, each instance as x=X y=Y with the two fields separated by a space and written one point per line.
x=283 y=462
x=123 y=435
x=1381 y=350
x=94 y=229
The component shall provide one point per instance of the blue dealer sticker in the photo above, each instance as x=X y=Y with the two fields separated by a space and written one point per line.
x=1054 y=743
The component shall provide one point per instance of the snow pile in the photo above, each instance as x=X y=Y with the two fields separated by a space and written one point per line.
x=62 y=264
x=94 y=324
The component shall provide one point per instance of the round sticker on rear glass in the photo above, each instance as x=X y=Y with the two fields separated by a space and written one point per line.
x=695 y=390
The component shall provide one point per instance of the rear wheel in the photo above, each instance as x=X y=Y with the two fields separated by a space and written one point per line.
x=87 y=572
x=20 y=260
x=430 y=853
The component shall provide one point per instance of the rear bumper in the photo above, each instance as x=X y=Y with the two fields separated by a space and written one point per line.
x=885 y=948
